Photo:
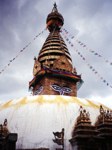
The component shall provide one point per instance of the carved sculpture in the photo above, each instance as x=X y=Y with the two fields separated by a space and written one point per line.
x=84 y=116
x=104 y=116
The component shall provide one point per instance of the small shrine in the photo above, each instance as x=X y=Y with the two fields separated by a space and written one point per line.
x=7 y=140
x=86 y=136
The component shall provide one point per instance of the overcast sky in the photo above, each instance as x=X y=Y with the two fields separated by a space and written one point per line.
x=89 y=20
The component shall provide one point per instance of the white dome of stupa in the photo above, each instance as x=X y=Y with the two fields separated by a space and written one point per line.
x=34 y=118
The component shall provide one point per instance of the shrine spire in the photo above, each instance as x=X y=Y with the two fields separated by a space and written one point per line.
x=53 y=70
x=55 y=8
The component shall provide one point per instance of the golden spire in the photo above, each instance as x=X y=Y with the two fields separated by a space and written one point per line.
x=53 y=66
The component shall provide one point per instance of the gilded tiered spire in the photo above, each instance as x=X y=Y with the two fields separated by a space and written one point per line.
x=53 y=70
x=54 y=46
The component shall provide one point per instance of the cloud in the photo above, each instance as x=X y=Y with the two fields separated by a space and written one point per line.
x=21 y=20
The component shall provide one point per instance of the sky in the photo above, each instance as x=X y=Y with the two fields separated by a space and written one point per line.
x=90 y=21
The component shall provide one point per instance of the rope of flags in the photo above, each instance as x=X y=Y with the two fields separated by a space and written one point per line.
x=22 y=50
x=86 y=47
x=90 y=66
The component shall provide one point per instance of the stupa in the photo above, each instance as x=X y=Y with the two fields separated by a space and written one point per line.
x=54 y=118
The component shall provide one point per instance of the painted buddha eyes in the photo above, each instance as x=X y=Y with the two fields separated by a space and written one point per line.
x=67 y=90
x=57 y=88
x=39 y=90
x=61 y=90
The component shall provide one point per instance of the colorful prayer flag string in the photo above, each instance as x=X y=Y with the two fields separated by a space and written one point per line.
x=89 y=65
x=86 y=47
x=22 y=50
